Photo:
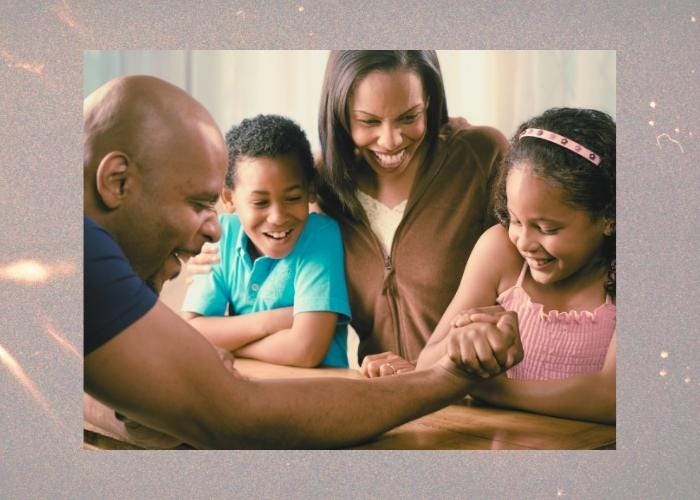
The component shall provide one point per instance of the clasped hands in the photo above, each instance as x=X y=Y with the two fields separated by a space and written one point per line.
x=483 y=341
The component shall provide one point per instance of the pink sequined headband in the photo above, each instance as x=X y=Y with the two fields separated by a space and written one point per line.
x=562 y=141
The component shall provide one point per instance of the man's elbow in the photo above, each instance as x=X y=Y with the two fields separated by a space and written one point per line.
x=211 y=429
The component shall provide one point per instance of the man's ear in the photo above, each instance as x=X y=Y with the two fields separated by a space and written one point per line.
x=609 y=227
x=313 y=197
x=112 y=176
x=227 y=200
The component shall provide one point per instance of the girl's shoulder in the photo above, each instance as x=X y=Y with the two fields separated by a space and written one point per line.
x=495 y=250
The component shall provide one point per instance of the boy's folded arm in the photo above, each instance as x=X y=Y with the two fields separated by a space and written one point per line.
x=304 y=344
x=233 y=332
x=590 y=396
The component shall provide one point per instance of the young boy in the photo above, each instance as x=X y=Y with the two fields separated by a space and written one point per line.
x=281 y=273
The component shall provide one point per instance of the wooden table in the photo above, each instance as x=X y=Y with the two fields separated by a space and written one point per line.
x=465 y=426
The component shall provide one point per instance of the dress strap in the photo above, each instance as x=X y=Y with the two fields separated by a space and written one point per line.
x=522 y=275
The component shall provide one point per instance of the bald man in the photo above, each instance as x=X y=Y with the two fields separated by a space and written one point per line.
x=154 y=163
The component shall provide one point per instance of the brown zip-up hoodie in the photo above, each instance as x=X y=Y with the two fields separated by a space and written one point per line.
x=397 y=300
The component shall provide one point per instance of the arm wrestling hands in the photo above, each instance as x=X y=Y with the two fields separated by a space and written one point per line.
x=482 y=341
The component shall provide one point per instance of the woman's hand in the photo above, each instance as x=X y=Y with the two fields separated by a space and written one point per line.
x=384 y=364
x=202 y=262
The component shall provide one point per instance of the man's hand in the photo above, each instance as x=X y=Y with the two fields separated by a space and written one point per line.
x=487 y=344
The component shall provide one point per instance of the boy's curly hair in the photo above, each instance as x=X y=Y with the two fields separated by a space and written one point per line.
x=268 y=136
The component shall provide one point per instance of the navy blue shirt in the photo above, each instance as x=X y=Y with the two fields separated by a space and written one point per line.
x=114 y=296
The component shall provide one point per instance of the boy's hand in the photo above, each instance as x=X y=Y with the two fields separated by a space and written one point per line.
x=384 y=364
x=202 y=262
x=228 y=360
x=488 y=345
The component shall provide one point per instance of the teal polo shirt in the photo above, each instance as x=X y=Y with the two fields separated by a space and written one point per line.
x=310 y=278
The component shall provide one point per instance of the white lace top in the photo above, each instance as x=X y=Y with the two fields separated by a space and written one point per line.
x=382 y=219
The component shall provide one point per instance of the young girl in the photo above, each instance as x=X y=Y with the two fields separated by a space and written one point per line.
x=552 y=260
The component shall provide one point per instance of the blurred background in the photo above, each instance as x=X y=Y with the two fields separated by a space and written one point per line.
x=496 y=88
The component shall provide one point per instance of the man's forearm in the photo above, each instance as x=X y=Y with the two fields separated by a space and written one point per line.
x=330 y=412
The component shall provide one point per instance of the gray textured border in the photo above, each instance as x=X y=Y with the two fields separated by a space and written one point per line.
x=41 y=81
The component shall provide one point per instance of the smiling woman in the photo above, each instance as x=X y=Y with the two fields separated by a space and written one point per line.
x=388 y=125
x=394 y=167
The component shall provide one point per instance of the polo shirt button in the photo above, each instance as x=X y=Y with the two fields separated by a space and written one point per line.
x=255 y=287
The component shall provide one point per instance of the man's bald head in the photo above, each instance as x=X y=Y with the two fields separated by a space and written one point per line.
x=153 y=157
x=141 y=116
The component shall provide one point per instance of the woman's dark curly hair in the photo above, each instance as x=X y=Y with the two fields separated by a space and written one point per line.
x=344 y=70
x=583 y=184
x=268 y=136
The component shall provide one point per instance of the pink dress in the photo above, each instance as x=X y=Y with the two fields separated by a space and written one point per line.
x=558 y=344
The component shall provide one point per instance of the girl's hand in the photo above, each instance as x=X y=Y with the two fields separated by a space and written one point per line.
x=385 y=364
x=202 y=262
x=489 y=314
x=488 y=347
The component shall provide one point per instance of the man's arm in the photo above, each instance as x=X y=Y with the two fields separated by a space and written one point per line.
x=159 y=371
x=233 y=332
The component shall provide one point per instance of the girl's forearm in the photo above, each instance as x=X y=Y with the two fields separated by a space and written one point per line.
x=583 y=397
x=431 y=354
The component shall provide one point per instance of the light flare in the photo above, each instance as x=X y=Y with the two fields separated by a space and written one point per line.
x=65 y=15
x=31 y=271
x=60 y=339
x=15 y=62
x=665 y=135
x=16 y=370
